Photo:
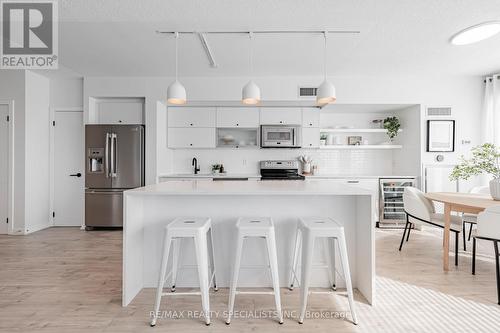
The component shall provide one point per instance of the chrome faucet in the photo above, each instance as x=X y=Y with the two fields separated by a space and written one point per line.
x=194 y=163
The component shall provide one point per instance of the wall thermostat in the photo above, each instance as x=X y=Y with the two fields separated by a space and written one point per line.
x=440 y=158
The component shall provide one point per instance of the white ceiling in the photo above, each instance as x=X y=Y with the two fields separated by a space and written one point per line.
x=117 y=37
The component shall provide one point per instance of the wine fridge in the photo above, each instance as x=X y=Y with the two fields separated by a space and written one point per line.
x=391 y=210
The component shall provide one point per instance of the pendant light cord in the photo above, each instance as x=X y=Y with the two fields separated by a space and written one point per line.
x=250 y=35
x=325 y=54
x=176 y=55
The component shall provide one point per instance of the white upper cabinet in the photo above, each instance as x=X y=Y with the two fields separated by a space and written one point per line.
x=237 y=117
x=122 y=111
x=191 y=117
x=191 y=137
x=310 y=117
x=280 y=116
x=310 y=137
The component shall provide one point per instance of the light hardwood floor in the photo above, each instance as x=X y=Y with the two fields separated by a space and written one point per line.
x=67 y=280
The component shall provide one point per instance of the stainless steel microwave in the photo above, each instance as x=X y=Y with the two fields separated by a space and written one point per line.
x=280 y=136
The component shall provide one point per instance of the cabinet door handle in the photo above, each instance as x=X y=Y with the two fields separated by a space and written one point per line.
x=190 y=144
x=76 y=175
x=190 y=124
x=353 y=181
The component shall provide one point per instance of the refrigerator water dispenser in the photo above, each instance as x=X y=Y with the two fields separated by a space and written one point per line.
x=96 y=160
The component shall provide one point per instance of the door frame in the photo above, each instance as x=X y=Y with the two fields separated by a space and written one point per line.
x=52 y=157
x=10 y=168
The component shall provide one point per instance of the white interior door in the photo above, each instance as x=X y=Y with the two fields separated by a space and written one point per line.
x=69 y=192
x=4 y=167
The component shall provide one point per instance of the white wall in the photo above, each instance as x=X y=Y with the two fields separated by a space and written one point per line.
x=66 y=93
x=463 y=94
x=12 y=88
x=246 y=161
x=30 y=92
x=37 y=152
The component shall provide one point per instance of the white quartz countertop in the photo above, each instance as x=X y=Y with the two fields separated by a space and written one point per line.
x=209 y=175
x=334 y=176
x=256 y=176
x=268 y=187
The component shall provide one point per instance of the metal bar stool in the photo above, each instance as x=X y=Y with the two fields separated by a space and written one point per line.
x=331 y=232
x=181 y=228
x=261 y=228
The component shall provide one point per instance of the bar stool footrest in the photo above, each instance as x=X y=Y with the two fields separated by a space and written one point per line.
x=237 y=292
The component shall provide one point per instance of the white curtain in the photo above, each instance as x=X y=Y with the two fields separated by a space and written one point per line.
x=491 y=111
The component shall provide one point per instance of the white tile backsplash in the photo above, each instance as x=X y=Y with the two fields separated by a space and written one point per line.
x=341 y=162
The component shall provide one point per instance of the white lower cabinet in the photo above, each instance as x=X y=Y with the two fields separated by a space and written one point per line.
x=310 y=137
x=191 y=138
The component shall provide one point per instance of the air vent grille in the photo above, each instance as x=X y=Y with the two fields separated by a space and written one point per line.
x=307 y=92
x=439 y=111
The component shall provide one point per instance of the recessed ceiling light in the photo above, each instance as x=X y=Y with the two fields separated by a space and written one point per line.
x=476 y=33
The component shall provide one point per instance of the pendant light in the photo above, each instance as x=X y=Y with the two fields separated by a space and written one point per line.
x=251 y=91
x=176 y=93
x=326 y=91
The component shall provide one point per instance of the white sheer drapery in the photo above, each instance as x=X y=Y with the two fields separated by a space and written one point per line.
x=491 y=110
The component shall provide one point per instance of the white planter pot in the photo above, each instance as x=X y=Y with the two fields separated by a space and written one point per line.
x=495 y=188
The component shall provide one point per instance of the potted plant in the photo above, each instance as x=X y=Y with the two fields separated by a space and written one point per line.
x=216 y=168
x=485 y=160
x=392 y=125
x=322 y=139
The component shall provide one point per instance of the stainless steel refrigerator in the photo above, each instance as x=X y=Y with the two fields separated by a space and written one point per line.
x=114 y=157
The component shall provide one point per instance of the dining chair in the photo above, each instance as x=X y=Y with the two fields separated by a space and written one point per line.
x=488 y=228
x=420 y=210
x=472 y=218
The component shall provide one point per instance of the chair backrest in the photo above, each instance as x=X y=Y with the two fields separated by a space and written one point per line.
x=488 y=223
x=416 y=204
x=480 y=190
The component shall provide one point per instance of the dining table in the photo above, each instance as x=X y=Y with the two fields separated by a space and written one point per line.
x=460 y=203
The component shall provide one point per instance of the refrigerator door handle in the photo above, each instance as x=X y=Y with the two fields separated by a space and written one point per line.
x=106 y=156
x=114 y=149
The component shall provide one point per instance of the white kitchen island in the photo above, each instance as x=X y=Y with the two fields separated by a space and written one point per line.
x=149 y=209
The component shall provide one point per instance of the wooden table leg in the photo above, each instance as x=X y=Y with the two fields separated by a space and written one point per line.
x=446 y=236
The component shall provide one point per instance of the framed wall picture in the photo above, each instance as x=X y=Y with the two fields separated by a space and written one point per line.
x=440 y=135
x=354 y=140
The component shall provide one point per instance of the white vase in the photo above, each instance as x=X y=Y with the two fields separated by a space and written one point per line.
x=306 y=168
x=330 y=139
x=495 y=188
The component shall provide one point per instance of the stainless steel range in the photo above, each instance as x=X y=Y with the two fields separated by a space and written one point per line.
x=280 y=170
